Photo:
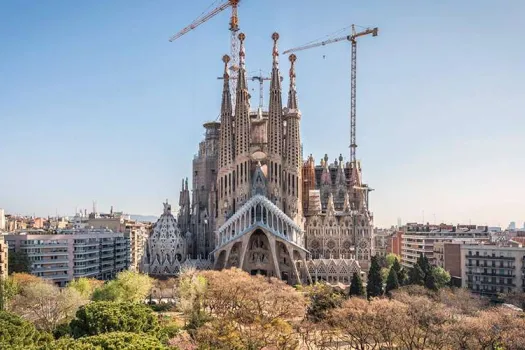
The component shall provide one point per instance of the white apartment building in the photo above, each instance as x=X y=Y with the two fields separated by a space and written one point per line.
x=2 y=219
x=419 y=239
x=489 y=269
x=70 y=254
x=137 y=234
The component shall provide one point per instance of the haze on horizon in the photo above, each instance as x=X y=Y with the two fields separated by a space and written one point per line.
x=96 y=104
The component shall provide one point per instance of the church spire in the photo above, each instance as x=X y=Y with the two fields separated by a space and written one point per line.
x=241 y=81
x=226 y=146
x=242 y=174
x=275 y=123
x=292 y=93
x=242 y=106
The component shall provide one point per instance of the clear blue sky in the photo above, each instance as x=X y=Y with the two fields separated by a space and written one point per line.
x=96 y=104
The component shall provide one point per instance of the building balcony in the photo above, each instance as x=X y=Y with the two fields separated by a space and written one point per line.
x=42 y=245
x=491 y=274
x=47 y=253
x=86 y=258
x=50 y=269
x=488 y=257
x=87 y=266
x=80 y=245
x=491 y=267
x=493 y=283
x=86 y=274
x=52 y=261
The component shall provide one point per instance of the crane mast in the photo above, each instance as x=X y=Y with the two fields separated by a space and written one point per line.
x=353 y=79
x=234 y=41
x=260 y=78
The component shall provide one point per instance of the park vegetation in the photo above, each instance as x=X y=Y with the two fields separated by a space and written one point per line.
x=229 y=309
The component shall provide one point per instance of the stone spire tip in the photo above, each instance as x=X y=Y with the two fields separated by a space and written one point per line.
x=226 y=60
x=275 y=53
x=242 y=54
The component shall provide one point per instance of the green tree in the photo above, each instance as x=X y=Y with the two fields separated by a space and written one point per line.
x=425 y=266
x=109 y=341
x=105 y=316
x=9 y=288
x=391 y=258
x=18 y=262
x=16 y=333
x=374 y=286
x=430 y=282
x=441 y=276
x=323 y=298
x=400 y=271
x=356 y=286
x=192 y=288
x=129 y=286
x=391 y=282
x=416 y=275
x=85 y=286
x=384 y=274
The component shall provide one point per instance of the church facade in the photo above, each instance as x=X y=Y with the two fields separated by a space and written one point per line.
x=257 y=205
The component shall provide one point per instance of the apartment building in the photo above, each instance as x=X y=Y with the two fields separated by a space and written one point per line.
x=489 y=269
x=70 y=254
x=394 y=242
x=2 y=220
x=419 y=239
x=3 y=258
x=138 y=234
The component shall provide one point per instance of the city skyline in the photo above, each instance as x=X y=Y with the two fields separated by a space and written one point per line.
x=122 y=127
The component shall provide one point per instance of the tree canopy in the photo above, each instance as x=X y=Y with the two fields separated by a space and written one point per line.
x=46 y=305
x=18 y=261
x=15 y=332
x=108 y=341
x=391 y=282
x=85 y=286
x=441 y=277
x=252 y=312
x=103 y=316
x=374 y=286
x=416 y=275
x=129 y=286
x=323 y=298
x=356 y=286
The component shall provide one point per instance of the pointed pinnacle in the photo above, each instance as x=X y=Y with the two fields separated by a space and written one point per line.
x=275 y=53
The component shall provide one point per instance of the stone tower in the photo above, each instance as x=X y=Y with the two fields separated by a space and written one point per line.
x=226 y=172
x=243 y=169
x=275 y=132
x=292 y=152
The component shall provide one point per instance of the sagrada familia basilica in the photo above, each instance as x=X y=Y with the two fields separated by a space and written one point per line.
x=257 y=204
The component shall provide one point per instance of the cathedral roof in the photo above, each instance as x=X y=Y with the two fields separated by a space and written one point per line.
x=293 y=235
x=166 y=225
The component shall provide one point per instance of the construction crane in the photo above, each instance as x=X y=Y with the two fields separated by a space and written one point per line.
x=260 y=78
x=234 y=40
x=353 y=39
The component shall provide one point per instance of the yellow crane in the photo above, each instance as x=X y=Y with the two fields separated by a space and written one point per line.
x=353 y=39
x=234 y=40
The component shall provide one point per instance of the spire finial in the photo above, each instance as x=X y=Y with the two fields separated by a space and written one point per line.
x=242 y=54
x=226 y=60
x=292 y=94
x=275 y=53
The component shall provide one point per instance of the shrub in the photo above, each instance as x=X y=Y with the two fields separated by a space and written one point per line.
x=104 y=316
x=18 y=333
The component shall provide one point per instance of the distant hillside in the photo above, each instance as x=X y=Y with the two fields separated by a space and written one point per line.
x=144 y=218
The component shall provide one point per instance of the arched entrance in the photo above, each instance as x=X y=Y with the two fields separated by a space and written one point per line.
x=258 y=258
